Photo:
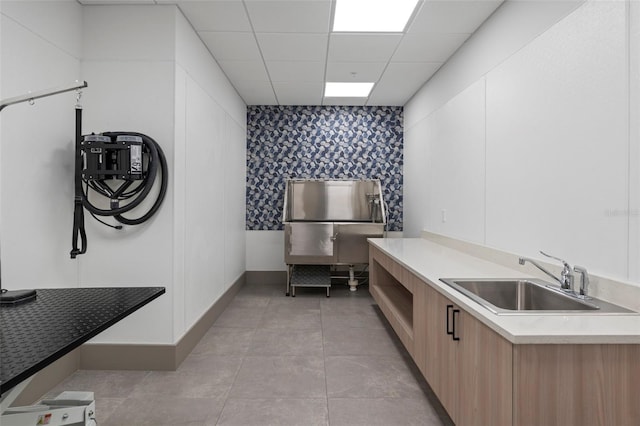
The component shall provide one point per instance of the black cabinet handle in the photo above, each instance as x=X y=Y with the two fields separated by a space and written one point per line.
x=449 y=332
x=455 y=311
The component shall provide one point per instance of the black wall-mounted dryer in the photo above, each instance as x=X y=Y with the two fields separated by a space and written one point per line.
x=122 y=167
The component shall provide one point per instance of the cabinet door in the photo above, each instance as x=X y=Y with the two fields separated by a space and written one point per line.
x=439 y=360
x=311 y=243
x=468 y=365
x=485 y=370
x=587 y=385
x=421 y=319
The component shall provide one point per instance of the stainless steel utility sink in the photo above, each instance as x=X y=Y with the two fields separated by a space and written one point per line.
x=528 y=296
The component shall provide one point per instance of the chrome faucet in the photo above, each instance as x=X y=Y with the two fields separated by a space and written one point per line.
x=566 y=276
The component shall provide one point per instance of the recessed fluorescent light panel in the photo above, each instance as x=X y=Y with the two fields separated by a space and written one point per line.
x=372 y=15
x=347 y=90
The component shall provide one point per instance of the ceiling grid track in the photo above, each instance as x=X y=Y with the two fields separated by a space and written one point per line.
x=406 y=28
x=326 y=55
x=286 y=38
x=264 y=63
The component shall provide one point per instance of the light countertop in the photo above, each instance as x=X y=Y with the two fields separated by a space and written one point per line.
x=431 y=261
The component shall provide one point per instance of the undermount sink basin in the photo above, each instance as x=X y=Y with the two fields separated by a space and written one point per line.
x=528 y=296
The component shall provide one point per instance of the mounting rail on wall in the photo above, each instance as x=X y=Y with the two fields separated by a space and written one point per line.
x=30 y=97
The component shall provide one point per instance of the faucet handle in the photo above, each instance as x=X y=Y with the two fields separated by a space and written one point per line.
x=584 y=281
x=566 y=274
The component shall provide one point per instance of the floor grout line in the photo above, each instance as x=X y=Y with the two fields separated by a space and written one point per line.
x=235 y=377
x=324 y=362
x=270 y=340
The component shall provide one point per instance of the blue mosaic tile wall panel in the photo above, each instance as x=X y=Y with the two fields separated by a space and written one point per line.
x=320 y=142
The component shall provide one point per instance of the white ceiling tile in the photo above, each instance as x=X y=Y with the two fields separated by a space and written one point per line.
x=394 y=91
x=344 y=101
x=293 y=47
x=298 y=93
x=400 y=81
x=103 y=2
x=428 y=47
x=214 y=15
x=386 y=96
x=227 y=46
x=437 y=16
x=293 y=38
x=409 y=72
x=256 y=92
x=244 y=70
x=391 y=100
x=362 y=47
x=296 y=71
x=290 y=16
x=364 y=71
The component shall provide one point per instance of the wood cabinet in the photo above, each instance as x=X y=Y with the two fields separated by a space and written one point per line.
x=394 y=298
x=590 y=385
x=468 y=365
x=439 y=359
x=484 y=375
x=483 y=379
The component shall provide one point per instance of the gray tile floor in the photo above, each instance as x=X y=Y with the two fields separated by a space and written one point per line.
x=276 y=360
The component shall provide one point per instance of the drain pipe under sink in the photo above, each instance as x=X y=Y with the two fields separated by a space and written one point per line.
x=353 y=283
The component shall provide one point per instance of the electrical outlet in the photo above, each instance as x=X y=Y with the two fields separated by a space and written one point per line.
x=444 y=215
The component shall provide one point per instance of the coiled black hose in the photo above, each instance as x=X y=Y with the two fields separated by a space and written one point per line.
x=157 y=160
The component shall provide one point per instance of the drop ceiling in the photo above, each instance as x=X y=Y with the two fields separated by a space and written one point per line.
x=280 y=52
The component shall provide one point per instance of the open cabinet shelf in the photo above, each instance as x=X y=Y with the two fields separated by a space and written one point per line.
x=395 y=301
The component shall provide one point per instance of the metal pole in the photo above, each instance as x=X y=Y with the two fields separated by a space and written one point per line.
x=41 y=94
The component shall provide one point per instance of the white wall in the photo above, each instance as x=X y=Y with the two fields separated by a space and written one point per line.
x=40 y=46
x=265 y=251
x=198 y=252
x=211 y=138
x=545 y=142
x=147 y=72
x=634 y=137
x=455 y=166
x=128 y=62
x=514 y=24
